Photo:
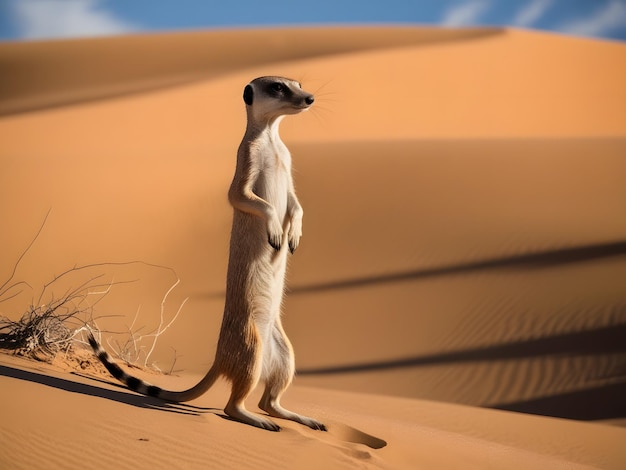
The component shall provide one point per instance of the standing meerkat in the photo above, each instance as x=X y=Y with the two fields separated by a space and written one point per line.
x=267 y=221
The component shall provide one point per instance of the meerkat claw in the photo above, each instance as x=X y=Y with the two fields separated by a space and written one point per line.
x=275 y=245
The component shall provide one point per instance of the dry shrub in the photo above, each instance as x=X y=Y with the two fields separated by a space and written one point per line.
x=47 y=329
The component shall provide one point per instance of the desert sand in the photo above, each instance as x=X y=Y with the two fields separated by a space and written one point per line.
x=458 y=299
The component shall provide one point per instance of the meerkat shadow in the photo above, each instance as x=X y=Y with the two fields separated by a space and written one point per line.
x=153 y=400
x=121 y=396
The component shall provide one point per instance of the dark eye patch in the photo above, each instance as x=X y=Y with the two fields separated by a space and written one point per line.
x=277 y=87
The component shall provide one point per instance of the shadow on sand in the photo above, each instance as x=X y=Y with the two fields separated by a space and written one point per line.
x=604 y=402
x=591 y=404
x=126 y=397
x=598 y=341
x=538 y=260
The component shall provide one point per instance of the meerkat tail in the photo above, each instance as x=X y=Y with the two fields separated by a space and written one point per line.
x=140 y=386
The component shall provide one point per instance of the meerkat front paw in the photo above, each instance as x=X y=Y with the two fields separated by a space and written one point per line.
x=294 y=234
x=274 y=233
x=293 y=244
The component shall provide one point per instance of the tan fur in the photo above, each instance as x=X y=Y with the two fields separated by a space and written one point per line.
x=267 y=222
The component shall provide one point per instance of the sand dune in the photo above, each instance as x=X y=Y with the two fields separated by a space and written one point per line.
x=119 y=66
x=464 y=246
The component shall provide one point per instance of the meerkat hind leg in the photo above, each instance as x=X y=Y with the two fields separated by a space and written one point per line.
x=236 y=409
x=279 y=379
x=242 y=384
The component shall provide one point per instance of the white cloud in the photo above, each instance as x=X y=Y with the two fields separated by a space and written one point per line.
x=465 y=14
x=605 y=20
x=534 y=10
x=47 y=19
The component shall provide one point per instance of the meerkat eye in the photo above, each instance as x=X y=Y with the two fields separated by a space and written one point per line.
x=278 y=87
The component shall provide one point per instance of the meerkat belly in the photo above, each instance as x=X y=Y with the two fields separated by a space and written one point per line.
x=256 y=270
x=273 y=186
x=268 y=270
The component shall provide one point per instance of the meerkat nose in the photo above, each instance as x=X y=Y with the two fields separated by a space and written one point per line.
x=309 y=100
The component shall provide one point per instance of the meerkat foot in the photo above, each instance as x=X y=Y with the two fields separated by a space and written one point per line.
x=277 y=411
x=310 y=422
x=241 y=414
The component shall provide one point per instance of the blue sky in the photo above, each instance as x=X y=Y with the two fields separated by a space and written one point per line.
x=47 y=19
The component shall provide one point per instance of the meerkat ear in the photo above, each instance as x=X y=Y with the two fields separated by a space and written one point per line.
x=248 y=95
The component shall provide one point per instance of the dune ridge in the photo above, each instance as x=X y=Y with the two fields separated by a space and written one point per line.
x=110 y=67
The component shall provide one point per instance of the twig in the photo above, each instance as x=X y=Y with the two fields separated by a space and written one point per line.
x=3 y=288
x=161 y=329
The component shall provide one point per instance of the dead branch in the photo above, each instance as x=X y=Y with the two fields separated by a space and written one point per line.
x=161 y=329
x=4 y=288
x=52 y=326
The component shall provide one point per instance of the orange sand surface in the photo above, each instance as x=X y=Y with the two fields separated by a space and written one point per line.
x=459 y=296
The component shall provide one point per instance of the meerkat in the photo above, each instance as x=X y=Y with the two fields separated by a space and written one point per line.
x=267 y=223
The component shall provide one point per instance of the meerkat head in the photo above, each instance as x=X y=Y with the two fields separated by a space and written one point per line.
x=276 y=96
